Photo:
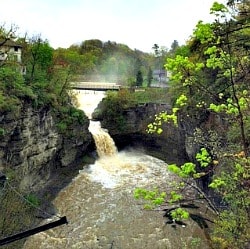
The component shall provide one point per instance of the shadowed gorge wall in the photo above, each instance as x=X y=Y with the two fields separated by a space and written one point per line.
x=32 y=145
x=169 y=146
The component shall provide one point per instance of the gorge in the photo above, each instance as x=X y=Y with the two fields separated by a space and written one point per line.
x=100 y=207
x=99 y=201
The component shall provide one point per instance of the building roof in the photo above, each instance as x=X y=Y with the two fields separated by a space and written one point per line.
x=159 y=71
x=9 y=43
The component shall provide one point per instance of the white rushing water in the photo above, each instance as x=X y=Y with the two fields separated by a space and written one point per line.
x=99 y=203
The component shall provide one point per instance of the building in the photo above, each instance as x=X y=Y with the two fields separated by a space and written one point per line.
x=11 y=51
x=161 y=76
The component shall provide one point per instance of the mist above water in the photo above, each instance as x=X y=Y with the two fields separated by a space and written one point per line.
x=88 y=100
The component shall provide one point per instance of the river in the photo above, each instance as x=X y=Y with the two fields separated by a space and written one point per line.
x=100 y=207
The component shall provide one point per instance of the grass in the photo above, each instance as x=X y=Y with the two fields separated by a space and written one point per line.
x=152 y=95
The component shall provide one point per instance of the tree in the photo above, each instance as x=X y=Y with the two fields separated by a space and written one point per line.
x=12 y=86
x=213 y=79
x=174 y=46
x=38 y=58
x=68 y=64
x=156 y=49
x=139 y=78
x=7 y=33
x=149 y=77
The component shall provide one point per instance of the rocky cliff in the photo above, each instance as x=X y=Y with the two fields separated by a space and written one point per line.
x=169 y=146
x=34 y=148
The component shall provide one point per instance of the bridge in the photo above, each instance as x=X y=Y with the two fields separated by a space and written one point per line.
x=97 y=86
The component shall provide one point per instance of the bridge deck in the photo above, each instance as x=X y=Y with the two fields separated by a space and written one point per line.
x=101 y=86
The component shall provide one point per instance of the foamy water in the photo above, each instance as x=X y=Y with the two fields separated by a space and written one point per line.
x=127 y=168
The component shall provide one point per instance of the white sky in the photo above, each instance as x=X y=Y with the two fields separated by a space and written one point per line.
x=137 y=23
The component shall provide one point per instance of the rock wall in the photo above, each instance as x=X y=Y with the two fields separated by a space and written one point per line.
x=174 y=144
x=32 y=146
x=169 y=146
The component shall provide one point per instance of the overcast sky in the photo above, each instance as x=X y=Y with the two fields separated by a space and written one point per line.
x=137 y=23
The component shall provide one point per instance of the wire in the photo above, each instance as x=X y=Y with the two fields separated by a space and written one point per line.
x=29 y=202
x=11 y=238
x=4 y=181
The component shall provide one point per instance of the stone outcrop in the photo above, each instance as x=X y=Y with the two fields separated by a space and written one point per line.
x=32 y=145
x=169 y=146
x=174 y=144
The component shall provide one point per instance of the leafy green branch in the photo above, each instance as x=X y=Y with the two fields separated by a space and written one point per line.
x=164 y=117
x=187 y=173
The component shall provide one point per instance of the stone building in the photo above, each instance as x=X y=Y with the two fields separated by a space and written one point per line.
x=12 y=52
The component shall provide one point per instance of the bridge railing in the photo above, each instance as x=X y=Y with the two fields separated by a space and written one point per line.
x=95 y=86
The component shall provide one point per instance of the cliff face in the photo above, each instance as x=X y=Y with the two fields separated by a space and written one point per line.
x=169 y=146
x=32 y=146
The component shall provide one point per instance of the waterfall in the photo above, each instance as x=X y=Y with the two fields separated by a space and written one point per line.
x=100 y=207
x=105 y=145
x=88 y=101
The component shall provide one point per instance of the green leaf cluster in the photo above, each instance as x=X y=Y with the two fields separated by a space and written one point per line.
x=185 y=170
x=233 y=221
x=13 y=89
x=164 y=117
x=203 y=157
x=231 y=106
x=68 y=117
x=179 y=214
x=153 y=198
x=188 y=169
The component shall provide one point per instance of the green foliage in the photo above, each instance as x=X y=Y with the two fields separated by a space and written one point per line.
x=203 y=157
x=113 y=107
x=232 y=107
x=149 y=77
x=213 y=76
x=139 y=78
x=217 y=183
x=155 y=127
x=179 y=214
x=153 y=198
x=38 y=59
x=13 y=89
x=175 y=197
x=185 y=170
x=181 y=100
x=204 y=32
x=2 y=131
x=232 y=227
x=33 y=200
x=164 y=117
x=68 y=116
x=218 y=8
x=62 y=126
x=112 y=62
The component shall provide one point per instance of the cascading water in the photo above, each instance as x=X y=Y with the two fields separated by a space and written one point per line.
x=100 y=207
x=105 y=145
